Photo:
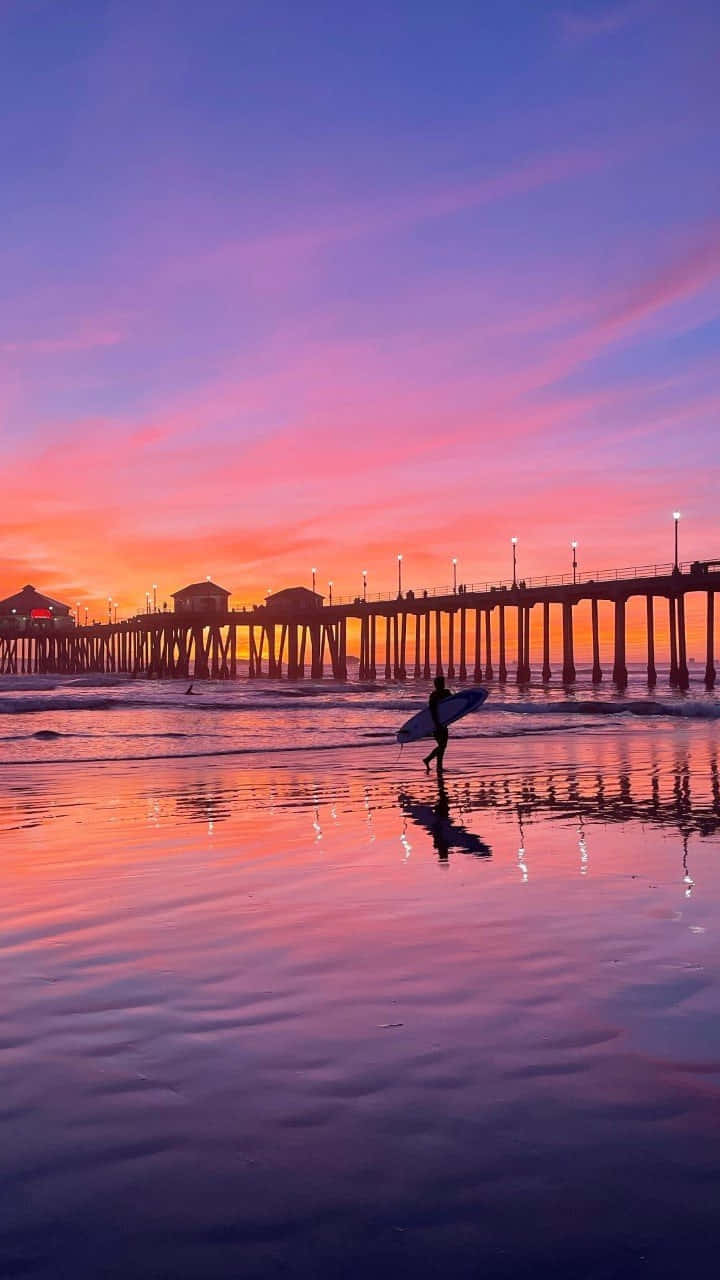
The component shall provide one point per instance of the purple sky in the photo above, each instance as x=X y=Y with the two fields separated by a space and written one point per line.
x=313 y=284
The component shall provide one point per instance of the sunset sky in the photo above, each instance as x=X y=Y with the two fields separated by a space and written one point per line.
x=307 y=283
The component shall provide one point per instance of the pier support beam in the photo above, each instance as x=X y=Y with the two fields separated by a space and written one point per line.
x=477 y=668
x=619 y=664
x=388 y=646
x=683 y=674
x=520 y=667
x=546 y=668
x=568 y=673
x=451 y=645
x=438 y=643
x=710 y=653
x=463 y=640
x=673 y=643
x=292 y=666
x=426 y=655
x=416 y=669
x=528 y=673
x=502 y=666
x=650 y=624
x=597 y=674
x=488 y=646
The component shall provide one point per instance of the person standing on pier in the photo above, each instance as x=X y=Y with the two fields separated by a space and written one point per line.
x=441 y=735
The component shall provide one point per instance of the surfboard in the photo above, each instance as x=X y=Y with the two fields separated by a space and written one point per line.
x=449 y=710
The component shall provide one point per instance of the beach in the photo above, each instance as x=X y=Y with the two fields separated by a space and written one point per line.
x=275 y=1003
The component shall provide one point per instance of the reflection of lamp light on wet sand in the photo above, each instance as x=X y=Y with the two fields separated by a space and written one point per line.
x=522 y=864
x=368 y=810
x=316 y=823
x=405 y=842
x=687 y=878
x=583 y=850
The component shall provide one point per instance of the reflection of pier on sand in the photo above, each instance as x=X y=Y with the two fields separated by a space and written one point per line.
x=670 y=782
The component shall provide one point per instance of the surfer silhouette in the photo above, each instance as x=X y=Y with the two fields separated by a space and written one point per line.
x=441 y=735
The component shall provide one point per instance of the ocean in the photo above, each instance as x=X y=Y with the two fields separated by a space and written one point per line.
x=54 y=719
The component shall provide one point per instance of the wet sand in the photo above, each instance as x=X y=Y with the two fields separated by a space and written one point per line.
x=316 y=1017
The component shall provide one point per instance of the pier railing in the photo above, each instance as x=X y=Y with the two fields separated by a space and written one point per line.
x=507 y=584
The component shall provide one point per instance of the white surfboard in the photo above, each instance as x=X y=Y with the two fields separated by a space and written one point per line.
x=449 y=710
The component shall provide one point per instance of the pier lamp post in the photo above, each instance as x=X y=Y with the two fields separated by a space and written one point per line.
x=330 y=585
x=454 y=565
x=77 y=613
x=364 y=573
x=154 y=597
x=313 y=572
x=399 y=576
x=86 y=615
x=115 y=608
x=147 y=601
x=573 y=544
x=514 y=547
x=109 y=608
x=676 y=518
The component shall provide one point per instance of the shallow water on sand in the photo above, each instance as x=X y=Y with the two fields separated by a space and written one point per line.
x=304 y=1016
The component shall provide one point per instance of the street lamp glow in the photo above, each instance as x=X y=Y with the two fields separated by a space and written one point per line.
x=573 y=544
x=399 y=575
x=514 y=547
x=364 y=575
x=454 y=565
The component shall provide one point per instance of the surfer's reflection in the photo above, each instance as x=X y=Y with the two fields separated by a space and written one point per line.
x=447 y=836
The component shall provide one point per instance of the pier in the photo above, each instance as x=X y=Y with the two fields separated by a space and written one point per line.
x=460 y=633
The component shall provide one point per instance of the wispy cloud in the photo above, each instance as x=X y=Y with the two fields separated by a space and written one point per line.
x=278 y=250
x=85 y=339
x=602 y=21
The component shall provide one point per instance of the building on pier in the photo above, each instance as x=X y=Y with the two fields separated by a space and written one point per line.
x=294 y=600
x=201 y=597
x=30 y=607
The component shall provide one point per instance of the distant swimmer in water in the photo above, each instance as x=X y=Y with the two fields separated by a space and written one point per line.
x=439 y=694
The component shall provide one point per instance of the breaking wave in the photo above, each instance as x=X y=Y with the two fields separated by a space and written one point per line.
x=687 y=708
